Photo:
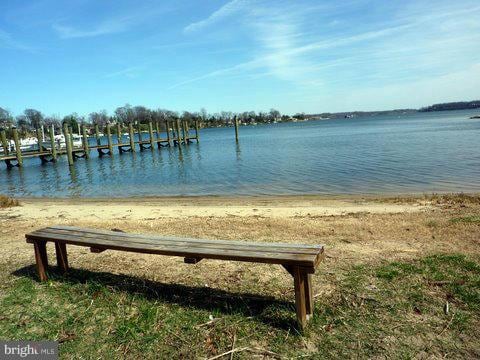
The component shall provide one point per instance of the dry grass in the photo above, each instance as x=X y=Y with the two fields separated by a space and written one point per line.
x=454 y=199
x=6 y=202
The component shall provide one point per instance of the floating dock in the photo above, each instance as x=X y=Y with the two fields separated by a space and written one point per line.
x=178 y=133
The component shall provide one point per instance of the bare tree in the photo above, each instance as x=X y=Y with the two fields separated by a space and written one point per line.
x=34 y=117
x=99 y=118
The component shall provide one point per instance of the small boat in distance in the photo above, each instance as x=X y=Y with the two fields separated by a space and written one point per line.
x=475 y=117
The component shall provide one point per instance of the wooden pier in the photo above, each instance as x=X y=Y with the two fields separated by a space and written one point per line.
x=48 y=149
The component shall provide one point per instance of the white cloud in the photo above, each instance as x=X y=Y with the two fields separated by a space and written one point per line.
x=411 y=44
x=226 y=10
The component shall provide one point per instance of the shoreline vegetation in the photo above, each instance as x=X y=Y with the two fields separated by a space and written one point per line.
x=401 y=278
x=33 y=119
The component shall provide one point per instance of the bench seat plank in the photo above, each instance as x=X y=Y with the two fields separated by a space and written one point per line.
x=218 y=244
x=304 y=256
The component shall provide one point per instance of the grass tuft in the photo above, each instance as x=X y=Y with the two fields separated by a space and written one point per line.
x=472 y=219
x=6 y=201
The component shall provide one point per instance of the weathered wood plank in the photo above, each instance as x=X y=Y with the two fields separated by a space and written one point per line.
x=237 y=242
x=184 y=251
x=96 y=238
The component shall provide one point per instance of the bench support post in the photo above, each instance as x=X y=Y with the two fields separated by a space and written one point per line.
x=41 y=259
x=308 y=295
x=303 y=293
x=62 y=258
x=300 y=300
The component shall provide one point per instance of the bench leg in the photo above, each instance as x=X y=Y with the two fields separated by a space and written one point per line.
x=308 y=295
x=300 y=300
x=41 y=259
x=62 y=258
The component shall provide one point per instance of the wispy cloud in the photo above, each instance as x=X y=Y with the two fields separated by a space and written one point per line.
x=7 y=41
x=112 y=25
x=404 y=43
x=226 y=10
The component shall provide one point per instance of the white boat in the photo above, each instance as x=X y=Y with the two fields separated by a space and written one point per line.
x=60 y=141
x=25 y=144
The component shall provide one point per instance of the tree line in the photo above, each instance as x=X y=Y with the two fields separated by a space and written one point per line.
x=32 y=119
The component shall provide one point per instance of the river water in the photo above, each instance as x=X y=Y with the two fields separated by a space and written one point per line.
x=417 y=153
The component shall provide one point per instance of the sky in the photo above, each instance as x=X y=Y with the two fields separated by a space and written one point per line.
x=307 y=56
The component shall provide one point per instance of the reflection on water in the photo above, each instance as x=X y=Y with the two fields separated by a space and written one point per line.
x=431 y=152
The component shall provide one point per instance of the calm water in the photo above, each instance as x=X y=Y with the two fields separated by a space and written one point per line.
x=430 y=152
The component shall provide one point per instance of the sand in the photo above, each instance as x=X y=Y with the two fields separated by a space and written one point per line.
x=219 y=207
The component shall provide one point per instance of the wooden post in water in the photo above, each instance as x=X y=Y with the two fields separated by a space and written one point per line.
x=150 y=132
x=68 y=144
x=39 y=140
x=157 y=129
x=3 y=138
x=97 y=135
x=52 y=142
x=185 y=131
x=70 y=131
x=18 y=151
x=109 y=138
x=119 y=133
x=167 y=129
x=179 y=137
x=86 y=149
x=197 y=130
x=132 y=136
x=236 y=128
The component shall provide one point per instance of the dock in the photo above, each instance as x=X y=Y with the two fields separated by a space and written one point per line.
x=178 y=133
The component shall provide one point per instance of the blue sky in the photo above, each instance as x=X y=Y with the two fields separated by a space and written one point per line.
x=297 y=56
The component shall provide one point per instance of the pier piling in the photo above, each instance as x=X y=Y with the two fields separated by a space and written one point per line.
x=119 y=133
x=86 y=149
x=97 y=134
x=39 y=140
x=3 y=138
x=236 y=127
x=177 y=130
x=52 y=143
x=157 y=128
x=68 y=144
x=167 y=129
x=185 y=132
x=18 y=151
x=150 y=132
x=109 y=139
x=196 y=130
x=132 y=136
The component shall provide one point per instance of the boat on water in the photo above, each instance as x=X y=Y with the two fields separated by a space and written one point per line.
x=31 y=144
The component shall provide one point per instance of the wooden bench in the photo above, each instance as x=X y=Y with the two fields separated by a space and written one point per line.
x=299 y=260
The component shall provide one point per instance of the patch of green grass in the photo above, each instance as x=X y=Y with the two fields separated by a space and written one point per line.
x=395 y=310
x=472 y=219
